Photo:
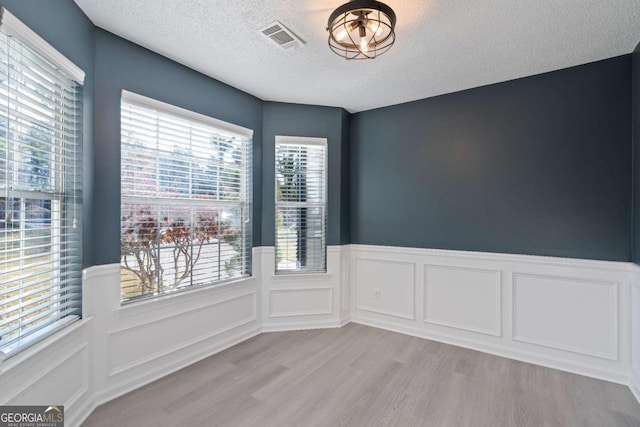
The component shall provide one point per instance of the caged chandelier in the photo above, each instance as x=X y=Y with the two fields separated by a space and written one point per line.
x=361 y=29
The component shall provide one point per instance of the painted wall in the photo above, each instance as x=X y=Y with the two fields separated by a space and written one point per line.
x=537 y=166
x=47 y=18
x=491 y=175
x=310 y=121
x=120 y=64
x=635 y=83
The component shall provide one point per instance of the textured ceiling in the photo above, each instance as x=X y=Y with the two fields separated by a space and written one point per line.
x=442 y=46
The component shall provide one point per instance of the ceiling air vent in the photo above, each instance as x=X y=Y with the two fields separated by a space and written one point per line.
x=281 y=35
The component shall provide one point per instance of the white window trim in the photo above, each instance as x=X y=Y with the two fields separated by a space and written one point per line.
x=143 y=101
x=300 y=140
x=36 y=337
x=173 y=298
x=12 y=25
x=303 y=140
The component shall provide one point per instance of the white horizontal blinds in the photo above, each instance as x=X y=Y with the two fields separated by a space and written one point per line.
x=185 y=202
x=301 y=200
x=40 y=194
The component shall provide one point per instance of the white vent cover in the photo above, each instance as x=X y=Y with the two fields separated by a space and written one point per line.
x=281 y=35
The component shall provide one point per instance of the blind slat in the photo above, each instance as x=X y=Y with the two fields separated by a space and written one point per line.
x=28 y=325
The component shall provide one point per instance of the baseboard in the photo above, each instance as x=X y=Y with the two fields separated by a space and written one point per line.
x=634 y=385
x=103 y=397
x=345 y=321
x=82 y=413
x=304 y=325
x=572 y=367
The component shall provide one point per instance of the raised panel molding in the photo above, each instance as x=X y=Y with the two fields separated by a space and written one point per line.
x=463 y=298
x=67 y=369
x=545 y=313
x=396 y=281
x=309 y=301
x=120 y=341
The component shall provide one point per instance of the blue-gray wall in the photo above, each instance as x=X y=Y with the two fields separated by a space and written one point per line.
x=309 y=121
x=636 y=152
x=120 y=64
x=64 y=26
x=539 y=165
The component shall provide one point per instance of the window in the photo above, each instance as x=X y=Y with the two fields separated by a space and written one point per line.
x=40 y=188
x=185 y=183
x=301 y=204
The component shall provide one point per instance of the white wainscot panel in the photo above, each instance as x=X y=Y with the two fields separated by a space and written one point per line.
x=635 y=332
x=394 y=283
x=288 y=302
x=64 y=382
x=571 y=314
x=136 y=345
x=344 y=285
x=464 y=298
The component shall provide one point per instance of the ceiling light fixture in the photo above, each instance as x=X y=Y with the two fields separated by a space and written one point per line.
x=361 y=29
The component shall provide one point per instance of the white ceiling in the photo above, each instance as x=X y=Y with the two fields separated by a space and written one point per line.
x=442 y=46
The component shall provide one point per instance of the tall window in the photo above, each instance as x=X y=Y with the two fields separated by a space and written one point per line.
x=40 y=188
x=185 y=183
x=301 y=204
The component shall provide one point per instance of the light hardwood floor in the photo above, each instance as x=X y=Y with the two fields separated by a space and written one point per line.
x=362 y=376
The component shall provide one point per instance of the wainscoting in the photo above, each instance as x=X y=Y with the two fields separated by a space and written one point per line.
x=56 y=371
x=634 y=382
x=304 y=301
x=140 y=342
x=575 y=315
x=567 y=314
x=115 y=349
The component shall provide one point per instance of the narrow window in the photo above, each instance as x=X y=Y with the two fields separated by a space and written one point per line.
x=301 y=204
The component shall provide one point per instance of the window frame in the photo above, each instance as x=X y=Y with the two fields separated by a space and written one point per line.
x=302 y=141
x=195 y=118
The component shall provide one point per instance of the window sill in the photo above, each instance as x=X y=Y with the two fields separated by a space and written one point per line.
x=15 y=354
x=130 y=306
x=297 y=276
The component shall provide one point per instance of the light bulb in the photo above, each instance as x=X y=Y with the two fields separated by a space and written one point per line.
x=364 y=46
x=341 y=34
x=374 y=26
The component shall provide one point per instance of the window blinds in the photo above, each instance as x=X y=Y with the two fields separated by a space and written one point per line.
x=185 y=204
x=40 y=189
x=301 y=204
